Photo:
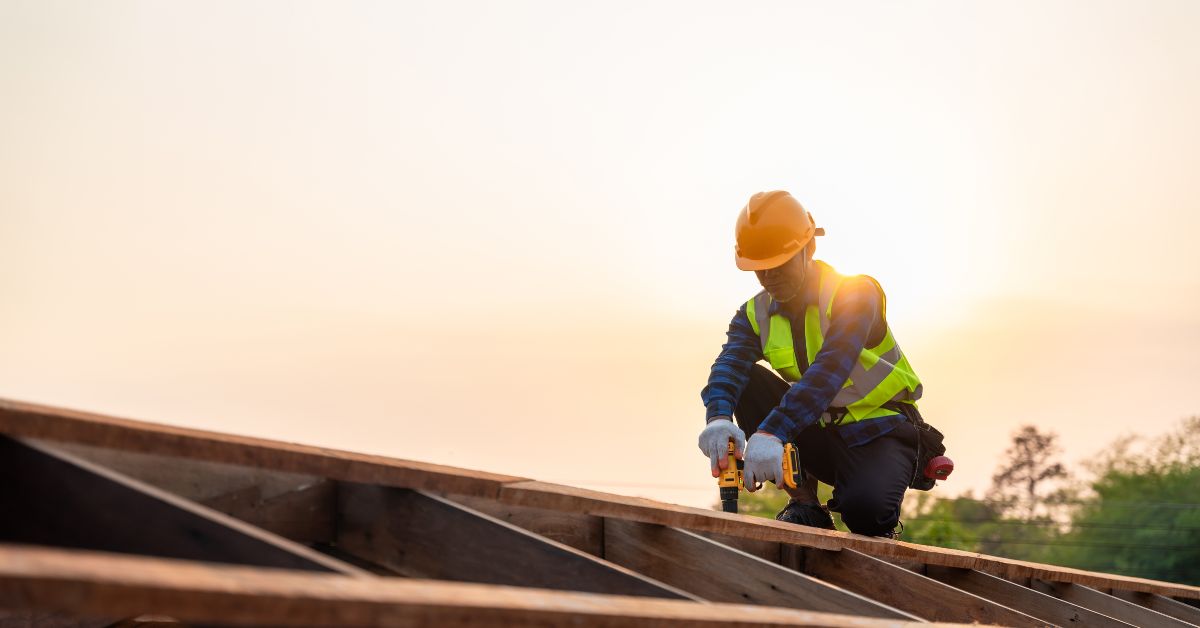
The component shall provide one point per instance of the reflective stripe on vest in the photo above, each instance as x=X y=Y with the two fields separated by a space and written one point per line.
x=880 y=374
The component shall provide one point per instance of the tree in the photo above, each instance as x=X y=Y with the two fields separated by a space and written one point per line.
x=1031 y=480
x=1143 y=516
x=941 y=522
x=1018 y=518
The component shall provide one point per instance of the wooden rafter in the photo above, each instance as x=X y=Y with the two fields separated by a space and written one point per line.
x=1111 y=606
x=54 y=498
x=899 y=587
x=292 y=505
x=94 y=584
x=723 y=574
x=401 y=518
x=1164 y=605
x=36 y=421
x=426 y=536
x=1046 y=607
x=706 y=567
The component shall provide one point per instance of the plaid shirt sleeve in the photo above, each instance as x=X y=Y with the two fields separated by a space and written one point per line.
x=731 y=370
x=856 y=308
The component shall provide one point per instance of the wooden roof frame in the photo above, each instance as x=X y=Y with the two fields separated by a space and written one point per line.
x=108 y=520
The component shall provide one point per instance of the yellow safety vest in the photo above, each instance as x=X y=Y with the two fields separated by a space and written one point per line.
x=880 y=375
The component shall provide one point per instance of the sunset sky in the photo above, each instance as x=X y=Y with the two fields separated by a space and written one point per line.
x=499 y=235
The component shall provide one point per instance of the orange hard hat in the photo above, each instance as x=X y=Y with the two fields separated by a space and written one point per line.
x=772 y=228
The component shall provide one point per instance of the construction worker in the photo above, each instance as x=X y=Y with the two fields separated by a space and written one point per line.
x=845 y=394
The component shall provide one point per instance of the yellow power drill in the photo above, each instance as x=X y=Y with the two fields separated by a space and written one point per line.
x=730 y=480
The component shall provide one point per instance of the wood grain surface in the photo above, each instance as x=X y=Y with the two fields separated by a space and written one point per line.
x=583 y=532
x=426 y=536
x=293 y=505
x=37 y=421
x=903 y=589
x=1111 y=606
x=722 y=574
x=1164 y=605
x=559 y=497
x=1046 y=607
x=53 y=498
x=45 y=422
x=89 y=583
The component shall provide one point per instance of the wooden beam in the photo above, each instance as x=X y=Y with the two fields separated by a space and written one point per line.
x=903 y=589
x=558 y=497
x=1045 y=607
x=1114 y=607
x=89 y=583
x=65 y=501
x=722 y=574
x=586 y=532
x=769 y=551
x=145 y=621
x=30 y=420
x=425 y=536
x=686 y=560
x=56 y=424
x=582 y=532
x=295 y=506
x=41 y=619
x=1164 y=605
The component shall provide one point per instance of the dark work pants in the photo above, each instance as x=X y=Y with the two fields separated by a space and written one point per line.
x=868 y=481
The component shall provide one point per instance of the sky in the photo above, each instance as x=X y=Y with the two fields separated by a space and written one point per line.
x=499 y=235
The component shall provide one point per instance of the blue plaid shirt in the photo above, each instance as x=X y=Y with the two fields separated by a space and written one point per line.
x=856 y=318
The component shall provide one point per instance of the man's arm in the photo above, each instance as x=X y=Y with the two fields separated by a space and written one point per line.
x=855 y=319
x=731 y=370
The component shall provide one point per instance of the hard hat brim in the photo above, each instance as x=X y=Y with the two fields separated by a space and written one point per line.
x=745 y=263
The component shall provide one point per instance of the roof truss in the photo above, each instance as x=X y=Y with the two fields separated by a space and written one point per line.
x=152 y=523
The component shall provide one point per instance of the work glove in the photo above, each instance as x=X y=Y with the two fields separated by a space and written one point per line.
x=764 y=461
x=714 y=442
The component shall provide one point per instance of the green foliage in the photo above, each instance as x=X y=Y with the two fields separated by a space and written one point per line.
x=1143 y=518
x=940 y=522
x=1138 y=516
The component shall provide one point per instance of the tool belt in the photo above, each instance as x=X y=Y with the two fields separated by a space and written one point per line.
x=929 y=439
x=929 y=443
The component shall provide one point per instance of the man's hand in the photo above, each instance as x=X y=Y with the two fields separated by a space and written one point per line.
x=714 y=442
x=764 y=461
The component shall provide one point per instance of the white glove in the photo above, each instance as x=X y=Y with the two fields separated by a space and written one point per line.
x=714 y=442
x=764 y=461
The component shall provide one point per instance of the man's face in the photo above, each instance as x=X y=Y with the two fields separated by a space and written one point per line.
x=783 y=282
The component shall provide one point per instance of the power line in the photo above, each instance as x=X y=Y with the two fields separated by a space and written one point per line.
x=1090 y=502
x=1021 y=522
x=1136 y=546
